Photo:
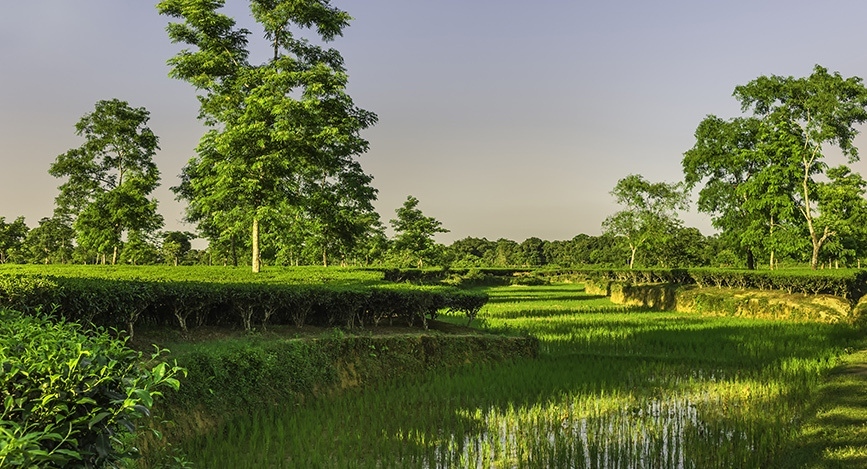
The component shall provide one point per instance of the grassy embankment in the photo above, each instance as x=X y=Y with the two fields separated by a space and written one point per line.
x=235 y=369
x=614 y=386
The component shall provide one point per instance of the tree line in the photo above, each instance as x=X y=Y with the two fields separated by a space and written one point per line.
x=276 y=179
x=765 y=177
x=413 y=246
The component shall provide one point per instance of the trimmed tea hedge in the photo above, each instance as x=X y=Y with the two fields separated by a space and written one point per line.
x=498 y=276
x=848 y=284
x=123 y=303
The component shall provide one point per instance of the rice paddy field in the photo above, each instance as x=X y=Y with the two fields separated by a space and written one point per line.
x=613 y=387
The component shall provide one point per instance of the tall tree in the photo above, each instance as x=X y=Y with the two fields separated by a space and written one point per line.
x=50 y=242
x=341 y=209
x=469 y=252
x=650 y=212
x=842 y=210
x=533 y=252
x=276 y=128
x=12 y=237
x=806 y=115
x=176 y=245
x=748 y=185
x=762 y=170
x=110 y=177
x=414 y=233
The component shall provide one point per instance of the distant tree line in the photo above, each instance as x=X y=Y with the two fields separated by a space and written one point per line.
x=683 y=247
x=412 y=246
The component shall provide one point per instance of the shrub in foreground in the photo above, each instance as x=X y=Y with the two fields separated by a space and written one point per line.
x=70 y=398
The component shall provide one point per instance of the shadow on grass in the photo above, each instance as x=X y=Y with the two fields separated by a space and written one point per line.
x=547 y=299
x=834 y=433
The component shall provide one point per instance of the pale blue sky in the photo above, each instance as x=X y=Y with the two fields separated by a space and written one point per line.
x=505 y=118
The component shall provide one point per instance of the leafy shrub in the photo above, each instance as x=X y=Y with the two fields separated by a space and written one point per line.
x=528 y=280
x=122 y=303
x=71 y=399
x=470 y=276
x=848 y=284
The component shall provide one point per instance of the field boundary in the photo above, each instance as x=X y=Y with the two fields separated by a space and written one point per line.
x=226 y=379
x=742 y=302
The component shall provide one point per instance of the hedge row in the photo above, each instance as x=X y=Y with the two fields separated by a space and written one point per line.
x=437 y=275
x=124 y=303
x=200 y=273
x=848 y=284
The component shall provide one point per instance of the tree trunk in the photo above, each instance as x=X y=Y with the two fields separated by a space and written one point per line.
x=324 y=258
x=814 y=259
x=256 y=267
x=632 y=257
x=114 y=256
x=751 y=260
x=772 y=260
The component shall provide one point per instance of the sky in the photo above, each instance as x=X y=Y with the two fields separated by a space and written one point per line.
x=505 y=118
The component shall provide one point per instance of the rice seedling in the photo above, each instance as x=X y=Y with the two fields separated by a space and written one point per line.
x=614 y=387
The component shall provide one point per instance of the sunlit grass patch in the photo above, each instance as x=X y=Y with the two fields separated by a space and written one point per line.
x=614 y=387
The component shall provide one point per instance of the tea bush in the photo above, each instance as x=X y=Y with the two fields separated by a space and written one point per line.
x=849 y=284
x=124 y=302
x=70 y=398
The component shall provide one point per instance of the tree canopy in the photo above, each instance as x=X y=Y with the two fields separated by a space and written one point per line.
x=12 y=237
x=414 y=232
x=283 y=134
x=649 y=214
x=762 y=172
x=109 y=177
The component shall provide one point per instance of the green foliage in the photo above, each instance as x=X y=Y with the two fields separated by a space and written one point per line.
x=12 y=236
x=50 y=242
x=849 y=284
x=762 y=173
x=72 y=399
x=247 y=373
x=109 y=178
x=457 y=277
x=176 y=245
x=649 y=215
x=414 y=232
x=283 y=134
x=120 y=300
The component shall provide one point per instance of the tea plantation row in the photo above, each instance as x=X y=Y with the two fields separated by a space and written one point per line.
x=123 y=303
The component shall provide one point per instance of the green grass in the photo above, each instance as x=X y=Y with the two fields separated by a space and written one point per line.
x=217 y=274
x=614 y=387
x=835 y=433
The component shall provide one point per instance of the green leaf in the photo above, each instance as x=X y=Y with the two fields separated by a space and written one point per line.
x=174 y=383
x=145 y=397
x=158 y=372
x=69 y=452
x=97 y=418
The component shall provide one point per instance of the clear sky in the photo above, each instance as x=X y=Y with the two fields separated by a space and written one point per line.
x=505 y=118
